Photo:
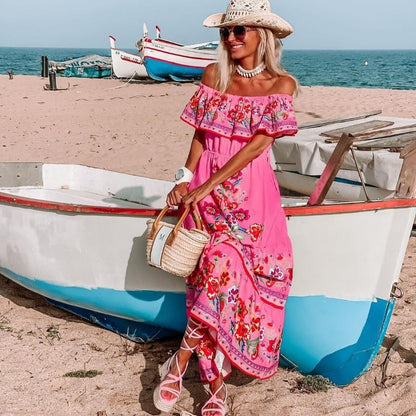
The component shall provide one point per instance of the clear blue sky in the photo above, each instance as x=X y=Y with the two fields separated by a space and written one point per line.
x=318 y=24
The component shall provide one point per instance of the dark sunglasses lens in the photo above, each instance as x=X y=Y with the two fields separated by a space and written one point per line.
x=224 y=33
x=239 y=32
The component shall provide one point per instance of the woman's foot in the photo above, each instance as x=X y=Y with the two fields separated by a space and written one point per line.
x=216 y=404
x=168 y=391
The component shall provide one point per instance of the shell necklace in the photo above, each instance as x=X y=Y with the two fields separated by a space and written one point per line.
x=250 y=73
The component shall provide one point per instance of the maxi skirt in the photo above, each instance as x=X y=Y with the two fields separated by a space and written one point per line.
x=241 y=284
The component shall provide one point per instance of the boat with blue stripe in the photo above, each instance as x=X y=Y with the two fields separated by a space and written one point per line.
x=170 y=61
x=77 y=236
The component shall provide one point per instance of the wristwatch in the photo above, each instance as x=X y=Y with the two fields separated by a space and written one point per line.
x=183 y=175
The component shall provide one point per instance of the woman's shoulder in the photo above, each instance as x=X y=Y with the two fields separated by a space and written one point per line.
x=210 y=75
x=284 y=84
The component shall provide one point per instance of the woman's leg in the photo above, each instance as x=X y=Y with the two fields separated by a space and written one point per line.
x=213 y=366
x=172 y=372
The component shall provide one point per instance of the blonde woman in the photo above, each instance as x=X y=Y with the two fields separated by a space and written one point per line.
x=236 y=296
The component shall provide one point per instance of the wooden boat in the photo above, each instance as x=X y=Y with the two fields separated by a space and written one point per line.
x=125 y=64
x=91 y=66
x=165 y=60
x=76 y=235
x=300 y=160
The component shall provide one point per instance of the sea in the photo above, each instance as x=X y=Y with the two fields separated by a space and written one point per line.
x=387 y=69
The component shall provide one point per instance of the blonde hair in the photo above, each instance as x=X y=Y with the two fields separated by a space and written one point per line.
x=269 y=51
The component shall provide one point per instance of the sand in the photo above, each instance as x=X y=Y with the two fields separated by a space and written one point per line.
x=135 y=128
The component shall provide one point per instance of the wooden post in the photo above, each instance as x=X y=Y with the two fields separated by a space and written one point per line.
x=406 y=185
x=331 y=169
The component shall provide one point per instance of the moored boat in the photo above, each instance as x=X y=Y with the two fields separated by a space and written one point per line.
x=91 y=66
x=166 y=60
x=126 y=64
x=77 y=236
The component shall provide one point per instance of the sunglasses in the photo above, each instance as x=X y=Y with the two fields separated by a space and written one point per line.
x=238 y=31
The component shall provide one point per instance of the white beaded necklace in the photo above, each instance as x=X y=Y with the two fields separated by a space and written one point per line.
x=250 y=73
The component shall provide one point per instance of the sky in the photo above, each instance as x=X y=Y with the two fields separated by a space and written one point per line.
x=318 y=24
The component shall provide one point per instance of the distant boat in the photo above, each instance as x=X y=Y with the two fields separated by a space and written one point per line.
x=91 y=66
x=126 y=64
x=166 y=60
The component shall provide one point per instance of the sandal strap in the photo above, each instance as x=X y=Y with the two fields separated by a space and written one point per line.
x=170 y=378
x=219 y=403
x=192 y=333
x=162 y=387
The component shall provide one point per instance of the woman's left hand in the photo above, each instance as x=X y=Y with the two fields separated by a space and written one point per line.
x=192 y=198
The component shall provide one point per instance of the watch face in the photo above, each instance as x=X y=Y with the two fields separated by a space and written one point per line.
x=179 y=174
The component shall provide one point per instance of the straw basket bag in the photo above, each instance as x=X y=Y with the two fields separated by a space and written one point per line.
x=173 y=248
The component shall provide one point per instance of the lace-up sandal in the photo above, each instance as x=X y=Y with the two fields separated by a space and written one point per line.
x=215 y=404
x=168 y=378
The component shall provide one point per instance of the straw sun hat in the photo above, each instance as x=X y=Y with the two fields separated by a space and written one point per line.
x=250 y=12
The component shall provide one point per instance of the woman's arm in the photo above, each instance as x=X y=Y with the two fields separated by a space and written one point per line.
x=240 y=160
x=175 y=195
x=197 y=146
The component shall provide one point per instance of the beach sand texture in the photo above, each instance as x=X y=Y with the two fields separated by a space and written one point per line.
x=135 y=128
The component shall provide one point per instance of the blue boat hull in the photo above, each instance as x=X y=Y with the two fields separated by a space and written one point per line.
x=326 y=325
x=341 y=338
x=165 y=71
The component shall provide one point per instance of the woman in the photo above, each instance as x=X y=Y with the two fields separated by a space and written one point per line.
x=236 y=297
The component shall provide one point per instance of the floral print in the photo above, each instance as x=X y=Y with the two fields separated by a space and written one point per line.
x=245 y=272
x=235 y=116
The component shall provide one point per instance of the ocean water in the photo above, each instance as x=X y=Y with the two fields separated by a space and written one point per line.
x=391 y=69
x=27 y=61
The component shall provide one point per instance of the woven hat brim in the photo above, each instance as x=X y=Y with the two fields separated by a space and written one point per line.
x=279 y=26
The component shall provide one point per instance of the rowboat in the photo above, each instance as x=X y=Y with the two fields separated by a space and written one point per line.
x=166 y=60
x=370 y=172
x=125 y=64
x=91 y=66
x=77 y=236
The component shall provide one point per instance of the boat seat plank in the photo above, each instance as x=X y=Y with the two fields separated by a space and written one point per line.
x=378 y=134
x=395 y=141
x=356 y=129
x=71 y=196
x=331 y=169
x=326 y=122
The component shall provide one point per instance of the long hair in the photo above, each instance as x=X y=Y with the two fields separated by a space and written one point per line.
x=269 y=51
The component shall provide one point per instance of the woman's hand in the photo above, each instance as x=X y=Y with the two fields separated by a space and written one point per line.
x=174 y=197
x=192 y=198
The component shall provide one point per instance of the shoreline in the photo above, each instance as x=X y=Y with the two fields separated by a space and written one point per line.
x=135 y=128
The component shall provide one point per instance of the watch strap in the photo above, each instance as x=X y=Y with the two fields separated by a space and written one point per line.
x=187 y=175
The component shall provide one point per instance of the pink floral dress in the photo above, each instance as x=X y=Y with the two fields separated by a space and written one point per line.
x=243 y=279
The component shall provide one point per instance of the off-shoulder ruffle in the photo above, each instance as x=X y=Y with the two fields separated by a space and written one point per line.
x=240 y=116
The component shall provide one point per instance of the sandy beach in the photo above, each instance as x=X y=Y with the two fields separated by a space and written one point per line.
x=135 y=128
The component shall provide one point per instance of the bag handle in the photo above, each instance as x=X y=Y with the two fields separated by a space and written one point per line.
x=180 y=220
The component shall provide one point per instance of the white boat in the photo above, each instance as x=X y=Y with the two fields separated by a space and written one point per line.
x=166 y=60
x=300 y=160
x=125 y=64
x=77 y=236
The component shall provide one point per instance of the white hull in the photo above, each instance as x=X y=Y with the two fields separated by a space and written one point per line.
x=339 y=190
x=77 y=235
x=126 y=64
